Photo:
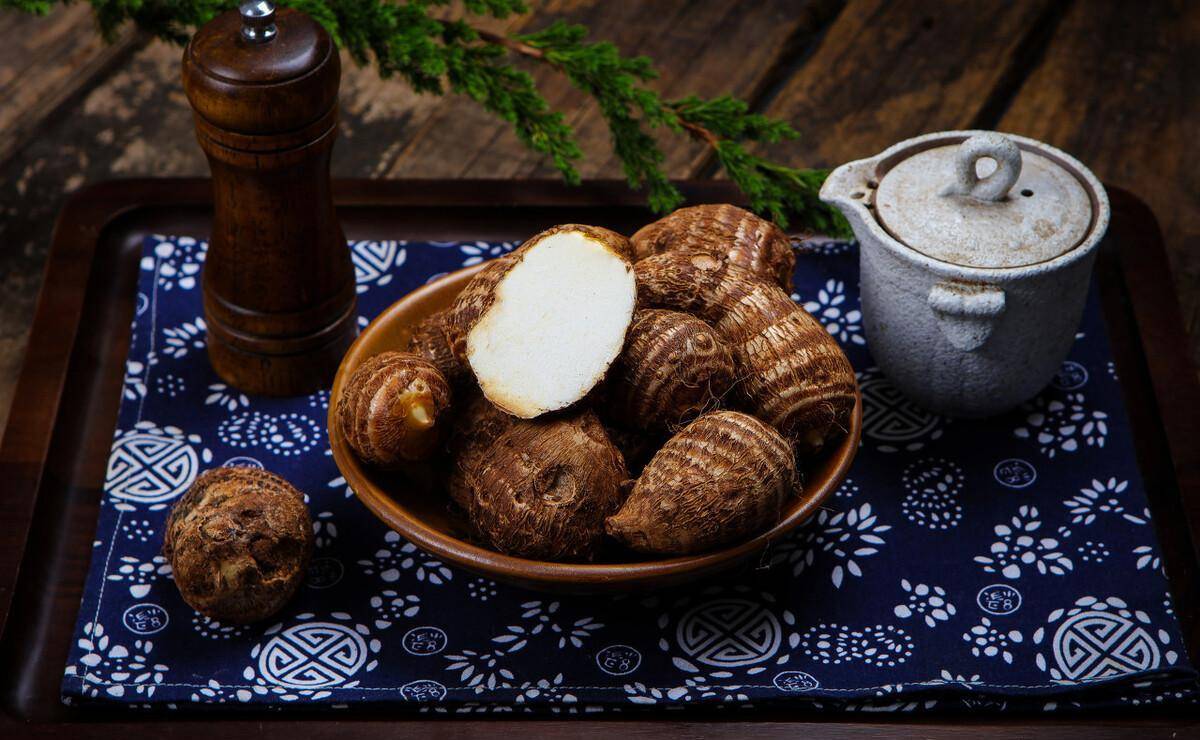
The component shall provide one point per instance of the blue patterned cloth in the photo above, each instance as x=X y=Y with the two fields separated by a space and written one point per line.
x=1008 y=564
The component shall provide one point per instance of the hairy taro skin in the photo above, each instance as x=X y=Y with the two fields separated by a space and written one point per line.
x=476 y=427
x=544 y=488
x=720 y=480
x=673 y=368
x=393 y=409
x=474 y=300
x=434 y=338
x=792 y=373
x=239 y=541
x=726 y=232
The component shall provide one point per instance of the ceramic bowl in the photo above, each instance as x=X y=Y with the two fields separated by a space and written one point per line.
x=413 y=506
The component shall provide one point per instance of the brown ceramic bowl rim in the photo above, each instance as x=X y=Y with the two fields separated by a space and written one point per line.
x=538 y=572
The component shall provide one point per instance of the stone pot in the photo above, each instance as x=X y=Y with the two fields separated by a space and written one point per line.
x=976 y=255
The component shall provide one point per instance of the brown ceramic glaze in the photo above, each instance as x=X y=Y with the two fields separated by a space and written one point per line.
x=415 y=507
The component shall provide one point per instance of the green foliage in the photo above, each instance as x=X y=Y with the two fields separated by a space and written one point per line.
x=40 y=7
x=435 y=55
x=599 y=70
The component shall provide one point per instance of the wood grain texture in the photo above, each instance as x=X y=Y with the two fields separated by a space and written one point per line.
x=1119 y=88
x=44 y=61
x=886 y=71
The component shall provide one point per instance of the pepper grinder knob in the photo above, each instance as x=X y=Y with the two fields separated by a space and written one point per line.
x=258 y=21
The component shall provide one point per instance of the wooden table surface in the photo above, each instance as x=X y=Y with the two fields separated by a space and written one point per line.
x=1114 y=83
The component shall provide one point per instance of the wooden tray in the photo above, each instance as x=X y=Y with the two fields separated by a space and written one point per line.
x=54 y=451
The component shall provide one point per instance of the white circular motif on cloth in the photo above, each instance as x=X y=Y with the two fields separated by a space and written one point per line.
x=1101 y=638
x=243 y=461
x=795 y=681
x=145 y=619
x=149 y=465
x=324 y=573
x=423 y=690
x=890 y=419
x=1014 y=473
x=312 y=656
x=1070 y=376
x=1097 y=644
x=424 y=640
x=999 y=599
x=729 y=632
x=618 y=660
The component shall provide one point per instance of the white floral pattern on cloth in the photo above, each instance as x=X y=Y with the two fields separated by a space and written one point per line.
x=927 y=602
x=1101 y=498
x=833 y=309
x=1063 y=425
x=476 y=252
x=988 y=640
x=1020 y=545
x=397 y=557
x=841 y=538
x=946 y=573
x=878 y=646
x=184 y=338
x=114 y=669
x=932 y=499
x=176 y=263
x=287 y=434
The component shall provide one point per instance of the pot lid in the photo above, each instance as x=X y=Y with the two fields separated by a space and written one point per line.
x=984 y=203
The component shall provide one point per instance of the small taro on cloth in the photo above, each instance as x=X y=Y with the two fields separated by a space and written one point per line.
x=1008 y=564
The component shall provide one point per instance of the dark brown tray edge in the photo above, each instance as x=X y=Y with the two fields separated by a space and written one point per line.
x=92 y=209
x=1175 y=389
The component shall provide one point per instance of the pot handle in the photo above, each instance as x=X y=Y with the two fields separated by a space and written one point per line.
x=966 y=313
x=995 y=186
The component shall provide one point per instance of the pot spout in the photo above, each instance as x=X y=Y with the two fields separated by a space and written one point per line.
x=851 y=189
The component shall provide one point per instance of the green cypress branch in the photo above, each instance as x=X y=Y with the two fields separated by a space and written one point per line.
x=436 y=56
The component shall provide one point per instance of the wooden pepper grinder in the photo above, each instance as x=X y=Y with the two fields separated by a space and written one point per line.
x=278 y=281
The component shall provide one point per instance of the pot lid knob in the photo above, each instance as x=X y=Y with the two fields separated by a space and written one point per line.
x=990 y=145
x=987 y=201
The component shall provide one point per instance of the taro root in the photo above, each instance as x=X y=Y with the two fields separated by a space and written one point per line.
x=792 y=373
x=721 y=479
x=727 y=232
x=239 y=541
x=476 y=427
x=434 y=338
x=673 y=368
x=393 y=409
x=544 y=323
x=543 y=488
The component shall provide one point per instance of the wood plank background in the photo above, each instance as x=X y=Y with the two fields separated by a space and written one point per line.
x=1114 y=83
